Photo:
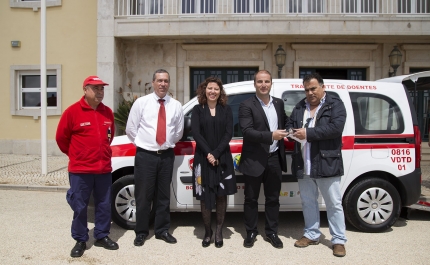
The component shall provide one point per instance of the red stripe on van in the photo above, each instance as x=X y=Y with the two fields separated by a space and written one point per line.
x=382 y=146
x=378 y=136
x=362 y=146
x=347 y=142
x=123 y=150
x=188 y=148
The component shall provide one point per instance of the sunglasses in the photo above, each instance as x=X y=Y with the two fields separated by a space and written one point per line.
x=307 y=122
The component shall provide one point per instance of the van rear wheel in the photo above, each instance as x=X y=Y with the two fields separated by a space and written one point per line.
x=123 y=203
x=372 y=205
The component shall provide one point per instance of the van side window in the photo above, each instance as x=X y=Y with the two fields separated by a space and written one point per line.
x=376 y=114
x=291 y=98
x=234 y=102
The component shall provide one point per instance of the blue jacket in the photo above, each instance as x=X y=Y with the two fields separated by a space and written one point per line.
x=326 y=139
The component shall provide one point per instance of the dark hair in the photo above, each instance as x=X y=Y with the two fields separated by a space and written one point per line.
x=201 y=91
x=262 y=71
x=308 y=78
x=159 y=71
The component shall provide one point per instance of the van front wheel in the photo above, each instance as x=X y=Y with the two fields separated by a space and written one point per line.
x=123 y=203
x=372 y=205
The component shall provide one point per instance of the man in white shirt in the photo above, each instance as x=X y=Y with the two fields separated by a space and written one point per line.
x=155 y=124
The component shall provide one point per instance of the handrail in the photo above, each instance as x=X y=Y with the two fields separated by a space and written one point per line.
x=149 y=8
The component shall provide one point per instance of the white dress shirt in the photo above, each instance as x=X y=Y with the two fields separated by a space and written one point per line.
x=272 y=118
x=142 y=122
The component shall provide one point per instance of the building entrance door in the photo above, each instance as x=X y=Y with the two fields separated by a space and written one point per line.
x=227 y=75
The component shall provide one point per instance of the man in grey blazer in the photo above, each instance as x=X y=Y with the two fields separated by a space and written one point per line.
x=262 y=119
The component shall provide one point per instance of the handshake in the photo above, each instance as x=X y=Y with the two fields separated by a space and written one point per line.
x=298 y=135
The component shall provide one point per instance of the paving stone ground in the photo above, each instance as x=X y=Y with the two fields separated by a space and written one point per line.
x=24 y=171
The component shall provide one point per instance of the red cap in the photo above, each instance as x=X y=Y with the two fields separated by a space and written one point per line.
x=94 y=80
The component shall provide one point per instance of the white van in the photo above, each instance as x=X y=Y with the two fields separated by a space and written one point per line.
x=381 y=154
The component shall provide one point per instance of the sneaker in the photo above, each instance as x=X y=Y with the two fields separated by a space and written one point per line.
x=304 y=242
x=339 y=250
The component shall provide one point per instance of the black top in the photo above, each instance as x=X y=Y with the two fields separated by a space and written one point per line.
x=212 y=135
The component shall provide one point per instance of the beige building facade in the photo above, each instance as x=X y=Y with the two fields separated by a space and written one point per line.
x=342 y=39
x=125 y=41
x=138 y=36
x=71 y=56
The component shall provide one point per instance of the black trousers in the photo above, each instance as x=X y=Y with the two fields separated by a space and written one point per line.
x=153 y=171
x=271 y=179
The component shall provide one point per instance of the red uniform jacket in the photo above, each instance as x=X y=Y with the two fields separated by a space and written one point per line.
x=84 y=135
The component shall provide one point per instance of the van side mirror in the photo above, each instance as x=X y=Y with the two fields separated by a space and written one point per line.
x=187 y=128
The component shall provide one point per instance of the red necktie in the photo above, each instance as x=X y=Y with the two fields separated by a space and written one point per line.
x=161 y=125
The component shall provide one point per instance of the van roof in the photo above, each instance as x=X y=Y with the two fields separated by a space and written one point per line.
x=418 y=81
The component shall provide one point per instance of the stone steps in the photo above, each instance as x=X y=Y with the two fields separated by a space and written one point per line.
x=425 y=154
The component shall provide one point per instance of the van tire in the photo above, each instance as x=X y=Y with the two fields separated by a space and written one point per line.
x=123 y=203
x=372 y=205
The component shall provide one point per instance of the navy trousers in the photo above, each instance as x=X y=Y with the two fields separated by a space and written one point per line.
x=78 y=197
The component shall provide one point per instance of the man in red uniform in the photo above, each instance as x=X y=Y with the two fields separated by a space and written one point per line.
x=84 y=134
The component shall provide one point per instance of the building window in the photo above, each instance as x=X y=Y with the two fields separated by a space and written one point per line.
x=306 y=6
x=25 y=90
x=335 y=73
x=145 y=7
x=413 y=6
x=251 y=6
x=360 y=6
x=202 y=6
x=33 y=3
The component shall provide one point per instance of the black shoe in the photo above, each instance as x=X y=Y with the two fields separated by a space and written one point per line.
x=78 y=250
x=274 y=240
x=107 y=243
x=219 y=244
x=251 y=237
x=139 y=240
x=205 y=242
x=166 y=237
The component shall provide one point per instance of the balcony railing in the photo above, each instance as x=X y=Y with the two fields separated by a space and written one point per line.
x=157 y=8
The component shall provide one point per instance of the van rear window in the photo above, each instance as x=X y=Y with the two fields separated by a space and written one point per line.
x=376 y=114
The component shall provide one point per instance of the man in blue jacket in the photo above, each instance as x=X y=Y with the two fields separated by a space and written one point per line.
x=318 y=120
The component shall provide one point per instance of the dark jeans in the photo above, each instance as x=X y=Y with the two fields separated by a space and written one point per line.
x=271 y=179
x=78 y=197
x=153 y=171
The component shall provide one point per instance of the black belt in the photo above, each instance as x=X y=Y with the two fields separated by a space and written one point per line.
x=273 y=153
x=158 y=152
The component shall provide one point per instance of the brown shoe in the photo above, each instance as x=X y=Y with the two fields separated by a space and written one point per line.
x=304 y=242
x=339 y=250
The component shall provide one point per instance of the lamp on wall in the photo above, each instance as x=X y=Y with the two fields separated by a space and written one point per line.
x=395 y=58
x=280 y=56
